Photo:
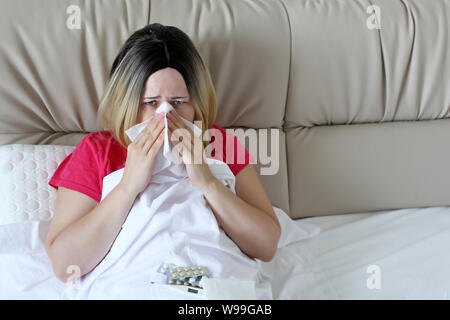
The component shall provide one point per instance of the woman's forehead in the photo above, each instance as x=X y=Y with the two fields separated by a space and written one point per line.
x=166 y=82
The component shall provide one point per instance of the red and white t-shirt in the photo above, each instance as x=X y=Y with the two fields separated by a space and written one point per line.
x=99 y=154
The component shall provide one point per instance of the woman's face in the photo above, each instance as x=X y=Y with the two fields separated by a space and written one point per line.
x=165 y=85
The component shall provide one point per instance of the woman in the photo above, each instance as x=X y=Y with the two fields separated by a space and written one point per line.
x=156 y=64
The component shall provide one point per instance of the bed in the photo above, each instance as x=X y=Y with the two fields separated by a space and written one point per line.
x=406 y=249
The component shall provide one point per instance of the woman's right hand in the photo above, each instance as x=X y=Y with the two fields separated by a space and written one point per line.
x=141 y=155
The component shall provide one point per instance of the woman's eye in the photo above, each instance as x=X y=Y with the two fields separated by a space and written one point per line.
x=150 y=103
x=178 y=102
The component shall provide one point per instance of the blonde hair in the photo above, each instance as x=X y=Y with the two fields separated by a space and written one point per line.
x=148 y=50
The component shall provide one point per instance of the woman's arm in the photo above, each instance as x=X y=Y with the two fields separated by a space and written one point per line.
x=81 y=238
x=82 y=232
x=247 y=216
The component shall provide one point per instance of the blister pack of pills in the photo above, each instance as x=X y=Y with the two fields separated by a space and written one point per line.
x=184 y=275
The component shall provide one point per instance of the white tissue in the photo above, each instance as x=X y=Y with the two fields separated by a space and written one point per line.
x=165 y=163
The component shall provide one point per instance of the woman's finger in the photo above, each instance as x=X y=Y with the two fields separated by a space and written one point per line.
x=190 y=147
x=153 y=136
x=176 y=120
x=176 y=141
x=156 y=146
x=140 y=139
x=185 y=135
x=172 y=126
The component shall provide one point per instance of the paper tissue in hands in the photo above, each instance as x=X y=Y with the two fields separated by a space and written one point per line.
x=168 y=169
x=165 y=164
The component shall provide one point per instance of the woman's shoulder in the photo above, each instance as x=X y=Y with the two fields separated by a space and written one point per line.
x=221 y=134
x=229 y=149
x=217 y=127
x=97 y=137
x=99 y=140
x=100 y=143
x=214 y=128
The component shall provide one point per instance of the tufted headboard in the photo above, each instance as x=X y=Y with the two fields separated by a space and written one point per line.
x=360 y=106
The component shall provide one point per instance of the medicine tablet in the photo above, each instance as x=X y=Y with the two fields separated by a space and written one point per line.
x=179 y=282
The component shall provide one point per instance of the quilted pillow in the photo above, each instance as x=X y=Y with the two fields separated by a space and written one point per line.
x=24 y=174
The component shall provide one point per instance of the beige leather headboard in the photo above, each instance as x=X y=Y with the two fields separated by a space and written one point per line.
x=362 y=112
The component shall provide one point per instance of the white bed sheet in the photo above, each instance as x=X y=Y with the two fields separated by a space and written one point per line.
x=410 y=248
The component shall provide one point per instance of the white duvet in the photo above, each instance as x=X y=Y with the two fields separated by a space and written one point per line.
x=169 y=222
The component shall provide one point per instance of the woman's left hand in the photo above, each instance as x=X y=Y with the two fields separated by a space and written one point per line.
x=191 y=150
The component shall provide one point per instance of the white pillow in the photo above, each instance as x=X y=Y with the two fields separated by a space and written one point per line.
x=292 y=231
x=24 y=174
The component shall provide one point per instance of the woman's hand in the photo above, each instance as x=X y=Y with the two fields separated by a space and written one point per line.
x=191 y=149
x=141 y=155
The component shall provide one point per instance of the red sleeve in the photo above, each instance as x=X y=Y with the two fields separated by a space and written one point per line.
x=81 y=170
x=229 y=149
